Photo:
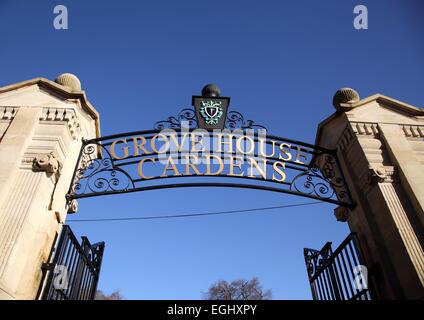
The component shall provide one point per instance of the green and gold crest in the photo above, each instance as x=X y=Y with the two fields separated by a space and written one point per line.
x=211 y=111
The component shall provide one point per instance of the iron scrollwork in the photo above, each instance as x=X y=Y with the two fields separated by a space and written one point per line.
x=93 y=252
x=99 y=174
x=316 y=259
x=185 y=115
x=322 y=179
x=234 y=120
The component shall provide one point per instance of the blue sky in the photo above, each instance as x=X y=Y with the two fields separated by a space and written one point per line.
x=280 y=61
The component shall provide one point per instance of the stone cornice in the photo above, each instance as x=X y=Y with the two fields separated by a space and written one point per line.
x=62 y=114
x=417 y=113
x=8 y=113
x=48 y=114
x=371 y=129
x=365 y=128
x=408 y=108
x=61 y=91
x=356 y=129
x=413 y=131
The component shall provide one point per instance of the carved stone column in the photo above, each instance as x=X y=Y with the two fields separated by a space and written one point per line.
x=385 y=172
x=41 y=126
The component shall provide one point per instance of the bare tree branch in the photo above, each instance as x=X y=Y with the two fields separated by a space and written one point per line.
x=238 y=290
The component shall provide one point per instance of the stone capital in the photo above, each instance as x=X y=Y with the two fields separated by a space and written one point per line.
x=341 y=213
x=48 y=163
x=380 y=174
x=72 y=206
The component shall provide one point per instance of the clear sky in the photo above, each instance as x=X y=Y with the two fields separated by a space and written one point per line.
x=280 y=61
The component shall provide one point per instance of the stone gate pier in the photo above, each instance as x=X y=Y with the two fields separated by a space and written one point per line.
x=42 y=123
x=380 y=143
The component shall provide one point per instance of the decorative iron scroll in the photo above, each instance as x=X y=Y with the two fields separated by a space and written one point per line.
x=186 y=115
x=135 y=162
x=322 y=180
x=316 y=260
x=93 y=252
x=95 y=175
x=235 y=120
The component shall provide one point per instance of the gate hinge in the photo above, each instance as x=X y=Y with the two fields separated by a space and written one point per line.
x=48 y=266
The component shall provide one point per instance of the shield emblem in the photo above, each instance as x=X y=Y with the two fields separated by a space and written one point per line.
x=211 y=111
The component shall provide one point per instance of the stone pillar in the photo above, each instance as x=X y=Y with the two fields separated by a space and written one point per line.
x=42 y=124
x=379 y=142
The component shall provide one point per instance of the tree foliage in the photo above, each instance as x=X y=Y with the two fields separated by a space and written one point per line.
x=116 y=295
x=238 y=290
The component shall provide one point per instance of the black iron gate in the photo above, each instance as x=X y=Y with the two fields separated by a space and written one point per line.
x=338 y=275
x=74 y=268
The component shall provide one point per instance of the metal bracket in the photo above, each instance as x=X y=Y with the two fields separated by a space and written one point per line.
x=48 y=266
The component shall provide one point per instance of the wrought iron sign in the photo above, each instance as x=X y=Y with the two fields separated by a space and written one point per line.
x=205 y=147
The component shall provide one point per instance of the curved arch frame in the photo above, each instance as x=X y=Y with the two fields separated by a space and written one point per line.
x=98 y=173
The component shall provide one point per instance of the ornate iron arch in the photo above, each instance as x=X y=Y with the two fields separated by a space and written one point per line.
x=100 y=171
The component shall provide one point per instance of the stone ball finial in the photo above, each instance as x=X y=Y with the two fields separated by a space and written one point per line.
x=345 y=97
x=211 y=90
x=70 y=81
